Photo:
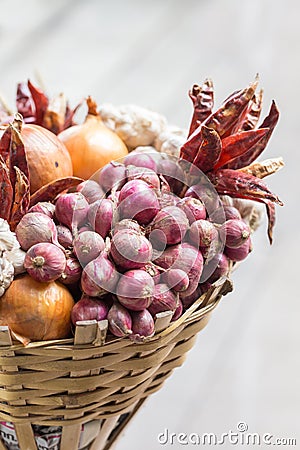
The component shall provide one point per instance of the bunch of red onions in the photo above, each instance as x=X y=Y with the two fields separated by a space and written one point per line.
x=133 y=242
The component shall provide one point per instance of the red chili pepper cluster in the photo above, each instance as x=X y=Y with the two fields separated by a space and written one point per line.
x=222 y=142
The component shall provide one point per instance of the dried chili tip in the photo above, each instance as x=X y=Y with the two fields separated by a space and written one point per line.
x=209 y=152
x=40 y=100
x=264 y=168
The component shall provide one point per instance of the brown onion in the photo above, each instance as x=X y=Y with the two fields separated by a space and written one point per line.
x=64 y=236
x=99 y=277
x=236 y=232
x=72 y=272
x=91 y=190
x=71 y=209
x=135 y=290
x=142 y=324
x=44 y=208
x=119 y=320
x=87 y=246
x=138 y=201
x=35 y=228
x=88 y=308
x=130 y=249
x=45 y=262
x=163 y=299
x=100 y=215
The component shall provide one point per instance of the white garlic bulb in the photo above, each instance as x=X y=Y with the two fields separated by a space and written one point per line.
x=8 y=239
x=16 y=256
x=6 y=273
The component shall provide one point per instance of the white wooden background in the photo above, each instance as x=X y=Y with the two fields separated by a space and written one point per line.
x=245 y=365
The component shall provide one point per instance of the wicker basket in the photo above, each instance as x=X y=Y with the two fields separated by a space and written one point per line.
x=70 y=382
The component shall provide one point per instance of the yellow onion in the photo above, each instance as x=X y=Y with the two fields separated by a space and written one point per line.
x=92 y=145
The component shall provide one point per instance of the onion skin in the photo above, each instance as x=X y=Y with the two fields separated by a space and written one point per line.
x=135 y=290
x=100 y=216
x=163 y=299
x=92 y=145
x=193 y=208
x=240 y=253
x=47 y=157
x=119 y=320
x=203 y=234
x=43 y=208
x=87 y=246
x=142 y=325
x=45 y=262
x=236 y=232
x=112 y=175
x=173 y=222
x=91 y=190
x=138 y=201
x=72 y=272
x=37 y=311
x=71 y=209
x=35 y=228
x=130 y=249
x=88 y=308
x=99 y=277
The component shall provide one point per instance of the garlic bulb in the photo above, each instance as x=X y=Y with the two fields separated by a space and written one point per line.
x=135 y=125
x=8 y=239
x=6 y=273
x=16 y=256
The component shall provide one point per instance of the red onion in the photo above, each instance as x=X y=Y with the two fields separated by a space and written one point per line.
x=185 y=257
x=100 y=215
x=236 y=232
x=71 y=209
x=99 y=277
x=135 y=290
x=119 y=320
x=138 y=201
x=220 y=267
x=142 y=324
x=44 y=208
x=163 y=299
x=173 y=222
x=240 y=253
x=34 y=228
x=142 y=173
x=87 y=246
x=130 y=249
x=206 y=193
x=72 y=272
x=188 y=299
x=64 y=236
x=193 y=208
x=112 y=175
x=140 y=160
x=203 y=234
x=172 y=173
x=127 y=224
x=88 y=308
x=45 y=262
x=178 y=311
x=176 y=279
x=91 y=190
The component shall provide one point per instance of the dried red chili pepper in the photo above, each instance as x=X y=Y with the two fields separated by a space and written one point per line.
x=25 y=103
x=241 y=185
x=238 y=144
x=253 y=114
x=21 y=198
x=271 y=219
x=203 y=101
x=253 y=153
x=209 y=151
x=6 y=191
x=51 y=190
x=5 y=145
x=41 y=102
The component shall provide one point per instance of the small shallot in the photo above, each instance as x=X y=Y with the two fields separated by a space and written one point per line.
x=163 y=299
x=203 y=234
x=72 y=272
x=240 y=253
x=126 y=224
x=142 y=173
x=193 y=208
x=176 y=279
x=236 y=232
x=44 y=208
x=100 y=216
x=140 y=159
x=99 y=277
x=119 y=320
x=135 y=290
x=87 y=246
x=91 y=190
x=34 y=228
x=112 y=175
x=45 y=262
x=64 y=236
x=172 y=222
x=88 y=308
x=130 y=249
x=178 y=311
x=71 y=209
x=142 y=325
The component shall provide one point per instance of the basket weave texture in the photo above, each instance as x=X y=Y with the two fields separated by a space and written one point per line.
x=58 y=383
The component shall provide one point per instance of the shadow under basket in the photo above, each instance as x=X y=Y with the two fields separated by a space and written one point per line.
x=67 y=383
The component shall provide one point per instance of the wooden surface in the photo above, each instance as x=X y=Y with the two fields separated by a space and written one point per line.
x=245 y=365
